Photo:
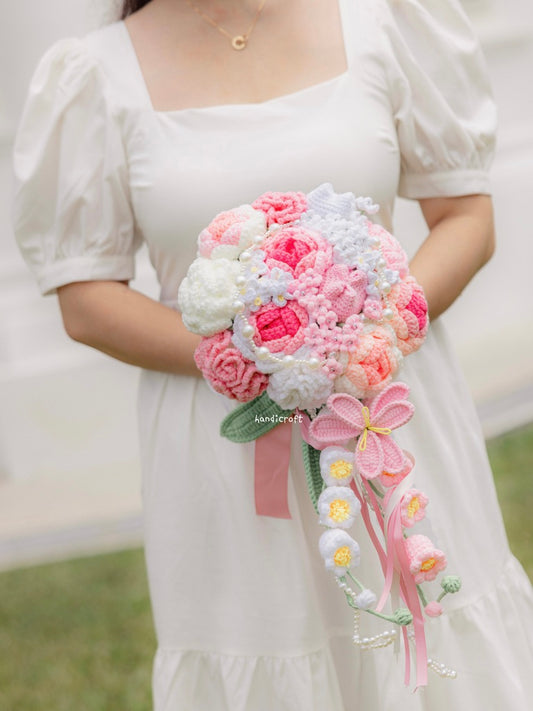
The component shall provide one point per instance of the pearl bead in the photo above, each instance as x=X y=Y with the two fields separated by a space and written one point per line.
x=288 y=360
x=382 y=263
x=388 y=313
x=248 y=331
x=245 y=256
x=262 y=353
x=258 y=239
x=240 y=280
x=238 y=306
x=385 y=287
x=314 y=363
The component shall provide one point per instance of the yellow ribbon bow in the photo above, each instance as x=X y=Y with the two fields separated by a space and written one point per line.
x=368 y=426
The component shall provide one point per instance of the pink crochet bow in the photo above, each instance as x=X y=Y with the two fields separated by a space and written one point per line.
x=371 y=421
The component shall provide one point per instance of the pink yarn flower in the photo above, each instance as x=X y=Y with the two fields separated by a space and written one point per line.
x=280 y=328
x=370 y=367
x=410 y=314
x=281 y=208
x=390 y=248
x=413 y=507
x=230 y=232
x=389 y=480
x=372 y=423
x=425 y=561
x=346 y=290
x=296 y=249
x=228 y=371
x=433 y=609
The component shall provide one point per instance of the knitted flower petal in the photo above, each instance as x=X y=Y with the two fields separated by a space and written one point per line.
x=393 y=415
x=394 y=459
x=392 y=393
x=327 y=428
x=348 y=409
x=370 y=460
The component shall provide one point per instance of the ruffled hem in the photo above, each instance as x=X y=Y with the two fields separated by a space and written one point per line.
x=488 y=643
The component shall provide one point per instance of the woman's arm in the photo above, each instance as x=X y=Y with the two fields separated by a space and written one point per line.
x=460 y=242
x=127 y=325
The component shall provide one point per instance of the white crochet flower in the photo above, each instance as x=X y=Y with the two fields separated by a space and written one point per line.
x=337 y=466
x=366 y=599
x=339 y=550
x=207 y=294
x=338 y=507
x=299 y=384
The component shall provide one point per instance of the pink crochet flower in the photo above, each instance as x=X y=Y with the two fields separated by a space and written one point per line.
x=281 y=208
x=228 y=371
x=230 y=232
x=413 y=507
x=410 y=309
x=433 y=609
x=389 y=480
x=346 y=290
x=372 y=423
x=370 y=367
x=296 y=249
x=390 y=248
x=425 y=561
x=280 y=328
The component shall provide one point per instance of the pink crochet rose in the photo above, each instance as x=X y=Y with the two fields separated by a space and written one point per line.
x=281 y=208
x=370 y=367
x=410 y=309
x=346 y=290
x=280 y=328
x=425 y=561
x=228 y=371
x=390 y=248
x=230 y=232
x=296 y=249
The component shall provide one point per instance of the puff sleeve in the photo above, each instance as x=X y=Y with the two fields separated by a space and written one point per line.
x=72 y=214
x=442 y=102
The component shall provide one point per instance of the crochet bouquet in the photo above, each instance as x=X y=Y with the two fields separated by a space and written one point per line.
x=307 y=309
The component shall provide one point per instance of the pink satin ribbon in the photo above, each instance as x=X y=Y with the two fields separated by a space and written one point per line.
x=272 y=457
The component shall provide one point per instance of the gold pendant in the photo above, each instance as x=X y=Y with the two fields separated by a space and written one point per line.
x=239 y=42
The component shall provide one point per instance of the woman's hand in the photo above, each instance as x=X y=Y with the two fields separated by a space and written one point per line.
x=460 y=242
x=127 y=325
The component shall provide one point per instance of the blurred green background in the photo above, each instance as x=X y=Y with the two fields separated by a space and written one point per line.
x=78 y=634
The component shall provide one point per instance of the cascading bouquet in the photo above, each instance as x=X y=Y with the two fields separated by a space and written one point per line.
x=307 y=308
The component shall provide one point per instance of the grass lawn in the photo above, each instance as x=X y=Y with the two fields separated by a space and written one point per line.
x=77 y=636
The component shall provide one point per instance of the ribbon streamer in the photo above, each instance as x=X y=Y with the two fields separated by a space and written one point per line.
x=272 y=457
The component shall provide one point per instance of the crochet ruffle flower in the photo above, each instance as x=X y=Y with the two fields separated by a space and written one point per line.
x=339 y=550
x=206 y=296
x=231 y=232
x=299 y=384
x=410 y=314
x=337 y=466
x=338 y=507
x=372 y=423
x=281 y=208
x=425 y=561
x=227 y=370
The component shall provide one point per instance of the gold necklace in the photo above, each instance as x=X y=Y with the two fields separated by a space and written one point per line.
x=238 y=42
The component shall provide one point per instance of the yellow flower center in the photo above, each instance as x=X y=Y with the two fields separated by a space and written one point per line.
x=340 y=469
x=257 y=301
x=413 y=506
x=428 y=564
x=342 y=556
x=280 y=297
x=339 y=510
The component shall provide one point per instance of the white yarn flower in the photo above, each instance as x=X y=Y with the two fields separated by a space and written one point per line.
x=338 y=507
x=206 y=296
x=337 y=466
x=365 y=599
x=339 y=550
x=299 y=384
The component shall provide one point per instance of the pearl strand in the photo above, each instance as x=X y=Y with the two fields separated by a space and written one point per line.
x=383 y=639
x=441 y=669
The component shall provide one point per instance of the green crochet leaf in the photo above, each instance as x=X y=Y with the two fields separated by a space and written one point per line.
x=253 y=419
x=315 y=483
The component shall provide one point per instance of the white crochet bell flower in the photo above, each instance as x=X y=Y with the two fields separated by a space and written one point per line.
x=337 y=466
x=338 y=507
x=339 y=550
x=299 y=383
x=207 y=295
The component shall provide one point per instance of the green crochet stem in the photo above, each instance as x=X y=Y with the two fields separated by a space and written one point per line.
x=315 y=483
x=253 y=419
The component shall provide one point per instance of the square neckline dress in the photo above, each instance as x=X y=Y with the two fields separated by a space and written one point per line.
x=247 y=618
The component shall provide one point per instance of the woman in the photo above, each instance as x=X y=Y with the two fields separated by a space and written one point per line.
x=146 y=129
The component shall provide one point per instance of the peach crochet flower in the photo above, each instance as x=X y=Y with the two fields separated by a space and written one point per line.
x=228 y=371
x=370 y=367
x=280 y=328
x=410 y=320
x=425 y=561
x=281 y=208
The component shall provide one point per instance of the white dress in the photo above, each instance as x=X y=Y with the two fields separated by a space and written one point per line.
x=247 y=618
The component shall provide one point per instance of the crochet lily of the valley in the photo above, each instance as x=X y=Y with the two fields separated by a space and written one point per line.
x=307 y=308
